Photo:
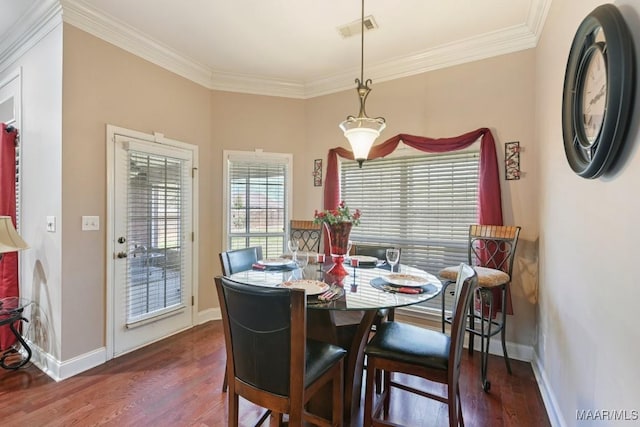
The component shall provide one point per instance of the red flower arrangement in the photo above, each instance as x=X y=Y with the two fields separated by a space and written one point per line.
x=338 y=215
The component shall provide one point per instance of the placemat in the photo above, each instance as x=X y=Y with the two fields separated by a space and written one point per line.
x=288 y=267
x=383 y=285
x=316 y=299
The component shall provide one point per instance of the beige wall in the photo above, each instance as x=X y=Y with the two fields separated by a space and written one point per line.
x=587 y=342
x=247 y=123
x=496 y=93
x=106 y=85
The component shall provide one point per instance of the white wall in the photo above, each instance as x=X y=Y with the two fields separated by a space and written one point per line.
x=588 y=340
x=41 y=139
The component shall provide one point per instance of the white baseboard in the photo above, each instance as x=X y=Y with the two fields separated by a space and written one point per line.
x=548 y=397
x=59 y=371
x=514 y=350
x=207 y=315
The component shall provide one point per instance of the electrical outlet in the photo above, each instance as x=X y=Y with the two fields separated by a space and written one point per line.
x=90 y=223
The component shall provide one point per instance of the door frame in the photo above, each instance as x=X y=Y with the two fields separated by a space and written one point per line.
x=157 y=138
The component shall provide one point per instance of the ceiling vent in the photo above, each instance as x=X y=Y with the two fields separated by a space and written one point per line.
x=353 y=28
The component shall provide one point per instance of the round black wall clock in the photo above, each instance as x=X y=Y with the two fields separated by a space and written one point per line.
x=599 y=86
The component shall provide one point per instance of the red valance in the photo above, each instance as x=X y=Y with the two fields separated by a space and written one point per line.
x=489 y=196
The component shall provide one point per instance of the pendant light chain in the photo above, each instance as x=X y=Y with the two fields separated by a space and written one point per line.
x=361 y=131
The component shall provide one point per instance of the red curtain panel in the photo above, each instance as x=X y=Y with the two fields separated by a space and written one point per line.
x=9 y=263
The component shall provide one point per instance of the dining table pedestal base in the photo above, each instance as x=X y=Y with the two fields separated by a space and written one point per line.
x=351 y=333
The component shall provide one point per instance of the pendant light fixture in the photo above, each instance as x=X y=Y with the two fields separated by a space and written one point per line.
x=362 y=131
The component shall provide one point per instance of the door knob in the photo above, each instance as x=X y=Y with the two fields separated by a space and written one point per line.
x=121 y=255
x=121 y=239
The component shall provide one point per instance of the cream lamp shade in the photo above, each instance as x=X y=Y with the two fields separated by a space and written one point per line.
x=10 y=240
x=362 y=138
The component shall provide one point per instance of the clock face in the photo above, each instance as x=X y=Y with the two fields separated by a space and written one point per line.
x=594 y=95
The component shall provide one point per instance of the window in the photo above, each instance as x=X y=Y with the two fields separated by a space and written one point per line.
x=422 y=204
x=257 y=199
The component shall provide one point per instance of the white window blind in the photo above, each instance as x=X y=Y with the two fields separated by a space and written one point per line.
x=158 y=218
x=422 y=204
x=257 y=203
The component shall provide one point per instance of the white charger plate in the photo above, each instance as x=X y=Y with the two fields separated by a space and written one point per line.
x=311 y=287
x=409 y=280
x=274 y=262
x=365 y=259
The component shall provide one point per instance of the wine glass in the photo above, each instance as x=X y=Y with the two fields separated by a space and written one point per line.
x=294 y=245
x=302 y=259
x=393 y=256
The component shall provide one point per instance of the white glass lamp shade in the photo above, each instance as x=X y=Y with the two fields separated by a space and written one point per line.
x=361 y=135
x=10 y=240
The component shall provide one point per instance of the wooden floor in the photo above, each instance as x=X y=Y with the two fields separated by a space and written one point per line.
x=177 y=382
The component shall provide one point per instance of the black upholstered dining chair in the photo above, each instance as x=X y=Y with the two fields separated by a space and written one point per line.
x=412 y=350
x=235 y=261
x=377 y=251
x=239 y=259
x=272 y=363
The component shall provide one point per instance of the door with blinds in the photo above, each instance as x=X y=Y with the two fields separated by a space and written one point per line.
x=152 y=225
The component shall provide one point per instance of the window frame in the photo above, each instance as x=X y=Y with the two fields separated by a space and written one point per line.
x=261 y=157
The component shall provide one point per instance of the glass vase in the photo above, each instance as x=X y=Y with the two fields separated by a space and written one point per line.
x=338 y=245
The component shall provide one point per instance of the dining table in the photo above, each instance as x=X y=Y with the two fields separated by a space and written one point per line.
x=341 y=309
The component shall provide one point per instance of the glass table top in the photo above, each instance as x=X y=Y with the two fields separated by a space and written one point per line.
x=358 y=291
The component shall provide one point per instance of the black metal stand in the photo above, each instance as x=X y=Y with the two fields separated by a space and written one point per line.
x=488 y=328
x=10 y=316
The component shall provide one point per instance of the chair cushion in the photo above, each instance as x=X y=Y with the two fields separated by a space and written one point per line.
x=320 y=357
x=487 y=277
x=410 y=344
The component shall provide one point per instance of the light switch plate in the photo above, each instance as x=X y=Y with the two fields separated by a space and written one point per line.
x=90 y=223
x=51 y=224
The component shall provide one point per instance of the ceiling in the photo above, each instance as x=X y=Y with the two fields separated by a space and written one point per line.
x=293 y=47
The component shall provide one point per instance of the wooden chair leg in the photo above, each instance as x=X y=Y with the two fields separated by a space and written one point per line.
x=233 y=409
x=378 y=382
x=368 y=396
x=337 y=403
x=453 y=411
x=225 y=380
x=386 y=389
x=460 y=417
x=275 y=420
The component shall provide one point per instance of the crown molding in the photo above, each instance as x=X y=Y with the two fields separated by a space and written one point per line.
x=38 y=21
x=473 y=49
x=47 y=13
x=86 y=18
x=537 y=16
x=256 y=85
